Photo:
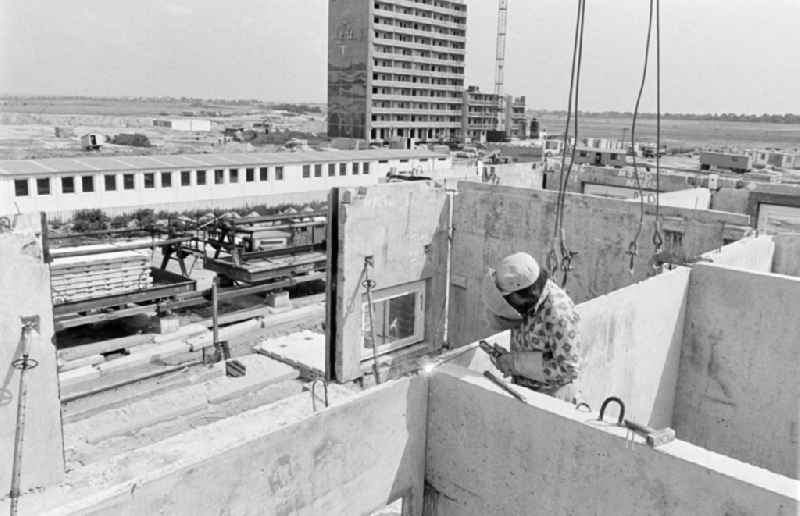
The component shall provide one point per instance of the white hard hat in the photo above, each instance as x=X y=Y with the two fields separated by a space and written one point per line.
x=493 y=300
x=515 y=272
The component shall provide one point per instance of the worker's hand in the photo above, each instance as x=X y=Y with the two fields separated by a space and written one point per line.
x=505 y=363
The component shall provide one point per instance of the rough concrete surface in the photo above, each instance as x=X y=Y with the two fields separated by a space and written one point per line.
x=493 y=221
x=488 y=454
x=304 y=350
x=25 y=288
x=787 y=255
x=138 y=414
x=355 y=457
x=738 y=386
x=631 y=346
x=403 y=226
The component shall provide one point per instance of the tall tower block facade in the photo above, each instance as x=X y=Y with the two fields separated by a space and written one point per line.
x=396 y=70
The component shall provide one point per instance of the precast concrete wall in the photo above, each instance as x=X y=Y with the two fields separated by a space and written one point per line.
x=488 y=453
x=282 y=459
x=694 y=198
x=494 y=221
x=403 y=227
x=25 y=292
x=753 y=253
x=632 y=345
x=787 y=254
x=738 y=386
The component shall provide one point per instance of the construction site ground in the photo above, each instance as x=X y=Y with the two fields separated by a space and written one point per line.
x=171 y=390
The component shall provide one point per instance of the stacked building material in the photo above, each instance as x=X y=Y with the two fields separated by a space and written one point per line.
x=78 y=278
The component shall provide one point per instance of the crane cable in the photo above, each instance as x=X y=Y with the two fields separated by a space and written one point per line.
x=562 y=257
x=658 y=236
x=633 y=246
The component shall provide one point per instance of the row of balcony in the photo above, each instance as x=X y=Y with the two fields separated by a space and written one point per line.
x=430 y=7
x=396 y=56
x=409 y=31
x=394 y=42
x=416 y=98
x=393 y=70
x=378 y=124
x=416 y=111
x=416 y=85
x=415 y=18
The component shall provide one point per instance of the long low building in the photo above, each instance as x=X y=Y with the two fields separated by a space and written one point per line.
x=60 y=186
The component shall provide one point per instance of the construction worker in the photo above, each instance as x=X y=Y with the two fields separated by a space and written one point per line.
x=545 y=342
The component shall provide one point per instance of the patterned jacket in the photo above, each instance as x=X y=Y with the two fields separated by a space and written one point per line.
x=551 y=328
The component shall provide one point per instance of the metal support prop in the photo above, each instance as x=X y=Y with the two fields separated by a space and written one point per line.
x=23 y=364
x=215 y=313
x=369 y=285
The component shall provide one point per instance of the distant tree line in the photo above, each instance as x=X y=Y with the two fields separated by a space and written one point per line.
x=786 y=118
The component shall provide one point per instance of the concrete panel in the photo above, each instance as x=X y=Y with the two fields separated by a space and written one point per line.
x=355 y=457
x=404 y=227
x=493 y=221
x=695 y=198
x=25 y=288
x=787 y=255
x=737 y=387
x=632 y=344
x=730 y=199
x=487 y=453
x=755 y=254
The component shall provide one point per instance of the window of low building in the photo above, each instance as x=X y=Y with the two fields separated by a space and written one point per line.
x=87 y=184
x=110 y=181
x=68 y=184
x=21 y=187
x=43 y=186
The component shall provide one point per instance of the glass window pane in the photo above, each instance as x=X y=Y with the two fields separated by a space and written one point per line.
x=110 y=182
x=21 y=187
x=87 y=183
x=128 y=181
x=43 y=186
x=68 y=185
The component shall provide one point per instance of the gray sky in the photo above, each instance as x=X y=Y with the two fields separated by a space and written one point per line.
x=718 y=55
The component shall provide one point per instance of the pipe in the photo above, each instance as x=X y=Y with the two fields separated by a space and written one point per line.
x=448 y=270
x=29 y=325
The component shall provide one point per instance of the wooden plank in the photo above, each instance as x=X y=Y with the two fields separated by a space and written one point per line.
x=85 y=350
x=72 y=322
x=156 y=292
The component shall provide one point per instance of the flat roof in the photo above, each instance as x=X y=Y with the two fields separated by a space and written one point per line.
x=177 y=161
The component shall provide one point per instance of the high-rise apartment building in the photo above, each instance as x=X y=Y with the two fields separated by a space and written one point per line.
x=396 y=69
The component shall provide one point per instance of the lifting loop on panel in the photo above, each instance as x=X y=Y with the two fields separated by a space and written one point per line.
x=613 y=399
x=313 y=389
